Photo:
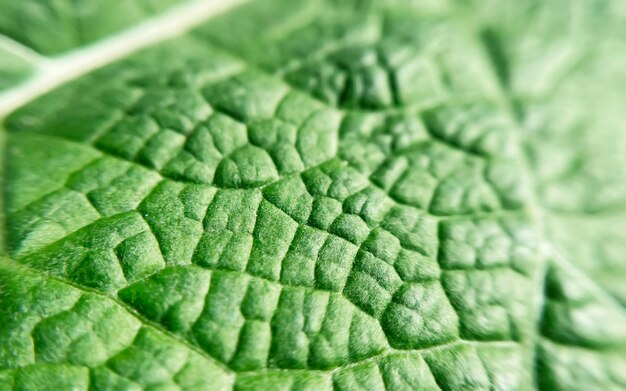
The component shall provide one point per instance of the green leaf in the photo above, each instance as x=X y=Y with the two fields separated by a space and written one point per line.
x=327 y=195
x=14 y=67
x=52 y=27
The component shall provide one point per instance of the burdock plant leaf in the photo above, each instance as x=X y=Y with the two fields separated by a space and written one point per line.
x=349 y=195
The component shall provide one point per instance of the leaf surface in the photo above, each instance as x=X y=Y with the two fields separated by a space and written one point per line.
x=341 y=195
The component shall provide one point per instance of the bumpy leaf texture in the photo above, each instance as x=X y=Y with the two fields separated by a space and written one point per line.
x=346 y=195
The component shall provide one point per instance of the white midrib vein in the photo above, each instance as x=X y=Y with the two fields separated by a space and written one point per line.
x=53 y=72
